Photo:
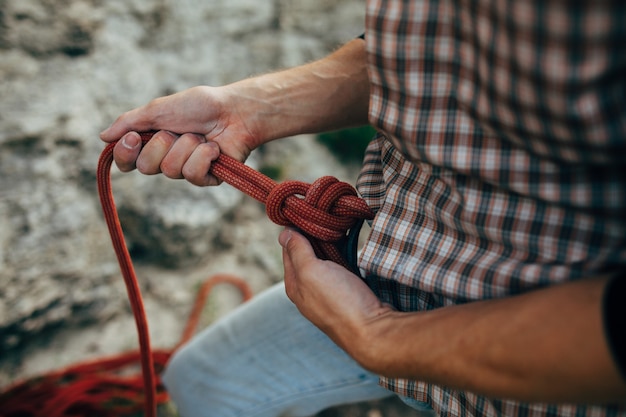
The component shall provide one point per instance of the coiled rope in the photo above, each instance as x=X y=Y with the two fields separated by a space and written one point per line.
x=326 y=211
x=106 y=387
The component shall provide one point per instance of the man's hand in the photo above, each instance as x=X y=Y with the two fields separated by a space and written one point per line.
x=195 y=125
x=204 y=111
x=331 y=297
x=544 y=346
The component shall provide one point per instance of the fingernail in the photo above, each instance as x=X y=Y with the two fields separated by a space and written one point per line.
x=284 y=237
x=130 y=141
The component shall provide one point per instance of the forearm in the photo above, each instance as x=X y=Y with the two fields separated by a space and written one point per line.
x=547 y=345
x=324 y=95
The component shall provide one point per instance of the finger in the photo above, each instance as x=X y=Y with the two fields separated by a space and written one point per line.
x=298 y=248
x=126 y=151
x=149 y=160
x=137 y=120
x=290 y=278
x=179 y=153
x=196 y=169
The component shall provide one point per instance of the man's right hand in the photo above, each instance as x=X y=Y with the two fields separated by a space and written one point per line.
x=192 y=127
x=196 y=125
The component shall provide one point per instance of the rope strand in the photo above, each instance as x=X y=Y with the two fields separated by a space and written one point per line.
x=324 y=211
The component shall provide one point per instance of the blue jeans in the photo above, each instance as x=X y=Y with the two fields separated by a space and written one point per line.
x=265 y=359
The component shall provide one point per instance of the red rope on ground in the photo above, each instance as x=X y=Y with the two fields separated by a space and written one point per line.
x=105 y=387
x=323 y=211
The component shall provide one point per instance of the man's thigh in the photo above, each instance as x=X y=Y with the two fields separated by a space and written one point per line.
x=265 y=359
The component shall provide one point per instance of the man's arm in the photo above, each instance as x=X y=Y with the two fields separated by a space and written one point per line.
x=195 y=125
x=544 y=346
x=324 y=95
x=547 y=345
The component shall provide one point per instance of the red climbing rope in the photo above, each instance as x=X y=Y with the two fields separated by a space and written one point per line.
x=324 y=211
x=105 y=387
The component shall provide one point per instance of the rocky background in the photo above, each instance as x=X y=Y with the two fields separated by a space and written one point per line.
x=67 y=69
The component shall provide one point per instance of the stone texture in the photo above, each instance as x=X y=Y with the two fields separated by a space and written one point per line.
x=67 y=68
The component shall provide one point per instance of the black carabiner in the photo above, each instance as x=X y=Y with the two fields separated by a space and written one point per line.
x=351 y=247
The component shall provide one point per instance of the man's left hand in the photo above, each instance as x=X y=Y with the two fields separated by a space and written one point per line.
x=331 y=297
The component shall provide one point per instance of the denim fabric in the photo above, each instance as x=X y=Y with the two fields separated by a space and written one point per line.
x=265 y=359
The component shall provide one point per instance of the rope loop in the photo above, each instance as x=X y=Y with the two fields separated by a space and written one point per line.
x=325 y=211
x=315 y=208
x=276 y=200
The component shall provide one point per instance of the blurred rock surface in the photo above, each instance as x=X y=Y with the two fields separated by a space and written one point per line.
x=67 y=69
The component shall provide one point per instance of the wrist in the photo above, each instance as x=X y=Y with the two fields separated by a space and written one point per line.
x=327 y=94
x=368 y=343
x=242 y=109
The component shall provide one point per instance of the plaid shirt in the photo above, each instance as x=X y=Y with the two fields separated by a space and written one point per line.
x=499 y=166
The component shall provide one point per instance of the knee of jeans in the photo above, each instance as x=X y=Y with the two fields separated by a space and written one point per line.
x=175 y=371
x=186 y=384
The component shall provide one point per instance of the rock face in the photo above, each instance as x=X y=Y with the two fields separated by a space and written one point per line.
x=67 y=68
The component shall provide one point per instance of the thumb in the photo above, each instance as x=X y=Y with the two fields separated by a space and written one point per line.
x=296 y=247
x=138 y=120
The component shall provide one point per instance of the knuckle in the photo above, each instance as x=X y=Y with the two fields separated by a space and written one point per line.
x=145 y=168
x=163 y=139
x=152 y=105
x=124 y=160
x=292 y=245
x=122 y=118
x=196 y=178
x=191 y=140
x=124 y=167
x=170 y=171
